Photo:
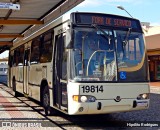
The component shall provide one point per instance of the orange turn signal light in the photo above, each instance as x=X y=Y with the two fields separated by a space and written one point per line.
x=75 y=98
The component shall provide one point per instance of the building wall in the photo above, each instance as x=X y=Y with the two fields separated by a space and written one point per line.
x=154 y=67
x=153 y=42
x=152 y=37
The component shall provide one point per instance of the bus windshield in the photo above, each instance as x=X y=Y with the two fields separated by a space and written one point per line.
x=99 y=55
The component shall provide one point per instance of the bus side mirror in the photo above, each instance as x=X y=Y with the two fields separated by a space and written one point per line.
x=68 y=39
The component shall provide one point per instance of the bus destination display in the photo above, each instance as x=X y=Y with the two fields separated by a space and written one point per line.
x=107 y=20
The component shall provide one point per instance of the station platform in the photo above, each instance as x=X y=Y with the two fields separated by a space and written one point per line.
x=19 y=113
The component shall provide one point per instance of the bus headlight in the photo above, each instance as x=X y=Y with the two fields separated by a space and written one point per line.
x=143 y=96
x=84 y=98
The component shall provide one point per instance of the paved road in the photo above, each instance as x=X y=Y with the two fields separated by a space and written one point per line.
x=29 y=113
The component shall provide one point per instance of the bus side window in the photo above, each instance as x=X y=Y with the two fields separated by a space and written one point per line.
x=20 y=55
x=46 y=48
x=14 y=58
x=35 y=51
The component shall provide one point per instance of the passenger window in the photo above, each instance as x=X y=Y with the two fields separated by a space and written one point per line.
x=20 y=55
x=46 y=48
x=35 y=51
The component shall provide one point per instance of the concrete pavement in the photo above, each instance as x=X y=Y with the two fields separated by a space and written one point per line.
x=20 y=113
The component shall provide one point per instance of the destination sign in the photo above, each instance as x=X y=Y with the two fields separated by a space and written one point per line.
x=111 y=21
x=106 y=20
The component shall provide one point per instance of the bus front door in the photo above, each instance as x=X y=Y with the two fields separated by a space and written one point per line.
x=60 y=88
x=25 y=70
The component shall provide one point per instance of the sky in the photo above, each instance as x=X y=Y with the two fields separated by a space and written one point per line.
x=144 y=10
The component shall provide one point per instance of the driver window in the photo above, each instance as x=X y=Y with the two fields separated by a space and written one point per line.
x=90 y=56
x=90 y=47
x=78 y=52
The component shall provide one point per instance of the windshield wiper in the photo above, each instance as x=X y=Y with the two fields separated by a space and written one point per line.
x=105 y=34
x=126 y=38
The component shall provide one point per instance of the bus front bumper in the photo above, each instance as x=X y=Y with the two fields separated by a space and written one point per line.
x=107 y=106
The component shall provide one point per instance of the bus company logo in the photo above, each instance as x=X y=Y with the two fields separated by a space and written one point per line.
x=118 y=99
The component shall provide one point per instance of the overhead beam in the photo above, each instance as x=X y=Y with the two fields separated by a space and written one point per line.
x=20 y=22
x=11 y=35
x=61 y=9
x=6 y=43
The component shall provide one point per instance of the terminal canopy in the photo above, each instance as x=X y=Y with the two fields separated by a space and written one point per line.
x=15 y=23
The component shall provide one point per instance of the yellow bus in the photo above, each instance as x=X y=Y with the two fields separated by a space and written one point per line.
x=84 y=63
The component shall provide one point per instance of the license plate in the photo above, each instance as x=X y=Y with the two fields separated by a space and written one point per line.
x=142 y=104
x=91 y=89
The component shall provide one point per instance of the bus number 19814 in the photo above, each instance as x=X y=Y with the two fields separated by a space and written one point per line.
x=92 y=89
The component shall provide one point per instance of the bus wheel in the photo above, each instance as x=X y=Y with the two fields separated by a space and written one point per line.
x=46 y=101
